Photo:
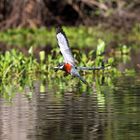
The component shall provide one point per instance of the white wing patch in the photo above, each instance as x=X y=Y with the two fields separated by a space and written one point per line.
x=64 y=48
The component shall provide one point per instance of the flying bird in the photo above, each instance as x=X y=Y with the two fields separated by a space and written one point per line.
x=69 y=62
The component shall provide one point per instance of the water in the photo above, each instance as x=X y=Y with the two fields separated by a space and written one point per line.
x=112 y=114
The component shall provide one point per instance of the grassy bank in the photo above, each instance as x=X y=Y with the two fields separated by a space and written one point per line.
x=81 y=37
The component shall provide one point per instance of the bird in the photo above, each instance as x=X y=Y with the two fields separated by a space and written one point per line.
x=68 y=65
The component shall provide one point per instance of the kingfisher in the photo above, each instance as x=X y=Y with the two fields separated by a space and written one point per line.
x=69 y=62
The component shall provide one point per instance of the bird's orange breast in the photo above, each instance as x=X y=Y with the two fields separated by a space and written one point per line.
x=67 y=67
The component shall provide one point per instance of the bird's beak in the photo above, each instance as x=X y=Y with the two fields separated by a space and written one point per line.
x=56 y=69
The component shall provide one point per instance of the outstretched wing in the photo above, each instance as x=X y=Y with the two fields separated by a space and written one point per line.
x=90 y=68
x=64 y=46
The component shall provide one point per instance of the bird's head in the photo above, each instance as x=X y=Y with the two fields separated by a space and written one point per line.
x=60 y=66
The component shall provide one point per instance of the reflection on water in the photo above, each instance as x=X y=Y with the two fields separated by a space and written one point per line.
x=110 y=114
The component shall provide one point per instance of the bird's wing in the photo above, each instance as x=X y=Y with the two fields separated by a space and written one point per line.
x=90 y=68
x=64 y=47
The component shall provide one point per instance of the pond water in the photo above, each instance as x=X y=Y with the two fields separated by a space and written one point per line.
x=110 y=110
x=112 y=114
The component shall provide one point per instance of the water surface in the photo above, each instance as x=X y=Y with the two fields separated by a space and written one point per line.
x=111 y=114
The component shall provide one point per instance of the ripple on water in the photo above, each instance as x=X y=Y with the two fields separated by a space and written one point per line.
x=111 y=114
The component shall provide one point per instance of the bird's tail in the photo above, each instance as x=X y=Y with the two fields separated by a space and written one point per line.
x=82 y=79
x=75 y=73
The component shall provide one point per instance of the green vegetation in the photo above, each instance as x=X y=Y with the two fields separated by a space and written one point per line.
x=22 y=70
x=79 y=37
x=16 y=71
x=13 y=64
x=20 y=37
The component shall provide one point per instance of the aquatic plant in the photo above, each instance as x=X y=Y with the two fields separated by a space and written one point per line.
x=14 y=64
x=81 y=37
x=22 y=70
